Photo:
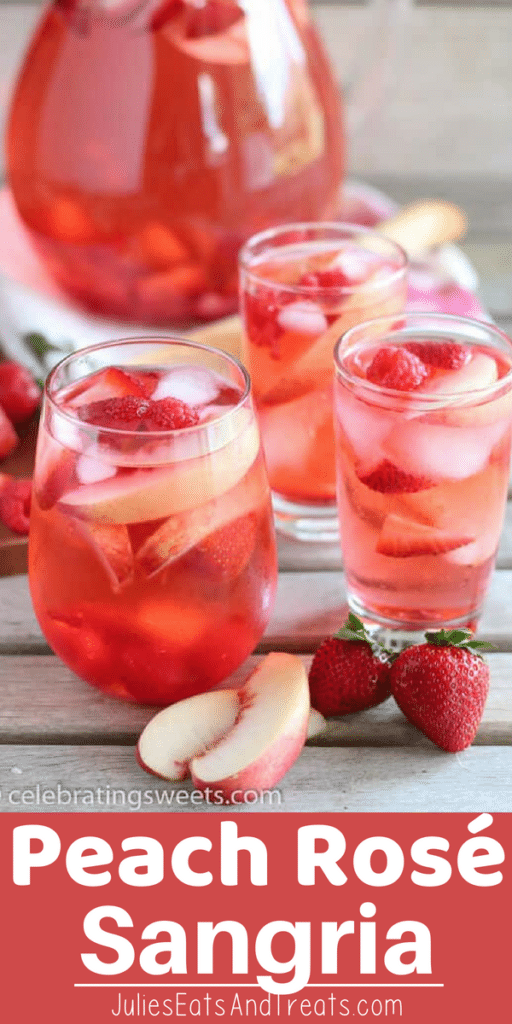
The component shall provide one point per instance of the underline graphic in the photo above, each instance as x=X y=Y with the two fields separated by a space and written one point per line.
x=244 y=984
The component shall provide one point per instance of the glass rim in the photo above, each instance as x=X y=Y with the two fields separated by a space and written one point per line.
x=339 y=227
x=422 y=319
x=155 y=340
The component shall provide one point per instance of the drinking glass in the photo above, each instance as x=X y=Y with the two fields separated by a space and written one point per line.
x=152 y=551
x=302 y=285
x=422 y=471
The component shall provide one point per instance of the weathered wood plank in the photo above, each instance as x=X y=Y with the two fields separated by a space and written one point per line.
x=41 y=701
x=322 y=780
x=309 y=606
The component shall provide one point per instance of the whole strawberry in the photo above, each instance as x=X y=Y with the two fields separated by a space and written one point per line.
x=349 y=672
x=441 y=687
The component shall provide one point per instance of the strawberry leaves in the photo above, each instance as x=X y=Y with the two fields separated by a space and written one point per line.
x=458 y=638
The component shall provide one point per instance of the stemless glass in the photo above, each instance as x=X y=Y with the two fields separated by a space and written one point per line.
x=152 y=551
x=302 y=285
x=422 y=472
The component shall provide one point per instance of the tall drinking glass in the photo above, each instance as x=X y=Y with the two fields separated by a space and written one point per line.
x=152 y=549
x=301 y=287
x=423 y=410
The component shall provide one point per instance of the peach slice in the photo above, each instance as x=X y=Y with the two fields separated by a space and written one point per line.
x=268 y=735
x=234 y=740
x=147 y=494
x=178 y=733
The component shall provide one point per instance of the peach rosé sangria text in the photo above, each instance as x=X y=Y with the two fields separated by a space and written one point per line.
x=423 y=410
x=152 y=550
x=302 y=286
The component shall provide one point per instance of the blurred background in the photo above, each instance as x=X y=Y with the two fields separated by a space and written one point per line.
x=444 y=126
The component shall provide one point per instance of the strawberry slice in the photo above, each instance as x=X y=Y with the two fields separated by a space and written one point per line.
x=445 y=355
x=227 y=551
x=395 y=367
x=19 y=393
x=174 y=538
x=113 y=382
x=403 y=538
x=213 y=17
x=111 y=545
x=56 y=474
x=389 y=479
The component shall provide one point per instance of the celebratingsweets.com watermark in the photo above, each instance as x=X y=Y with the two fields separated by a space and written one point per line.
x=132 y=799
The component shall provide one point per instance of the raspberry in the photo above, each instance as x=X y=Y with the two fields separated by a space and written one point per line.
x=395 y=367
x=446 y=355
x=19 y=393
x=170 y=414
x=333 y=278
x=140 y=414
x=116 y=413
x=262 y=309
x=15 y=504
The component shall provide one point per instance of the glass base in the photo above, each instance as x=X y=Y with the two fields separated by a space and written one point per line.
x=310 y=523
x=396 y=634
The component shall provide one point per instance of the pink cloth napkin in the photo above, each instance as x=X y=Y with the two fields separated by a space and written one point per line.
x=427 y=293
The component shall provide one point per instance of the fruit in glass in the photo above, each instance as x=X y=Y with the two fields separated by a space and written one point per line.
x=423 y=410
x=152 y=553
x=301 y=287
x=147 y=141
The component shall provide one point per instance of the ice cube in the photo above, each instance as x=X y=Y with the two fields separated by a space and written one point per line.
x=66 y=432
x=356 y=264
x=303 y=317
x=191 y=384
x=291 y=433
x=441 y=452
x=365 y=428
x=90 y=470
x=476 y=553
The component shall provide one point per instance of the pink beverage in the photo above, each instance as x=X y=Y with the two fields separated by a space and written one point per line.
x=148 y=139
x=302 y=286
x=423 y=409
x=152 y=550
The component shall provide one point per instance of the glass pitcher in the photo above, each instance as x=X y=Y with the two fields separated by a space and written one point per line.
x=148 y=139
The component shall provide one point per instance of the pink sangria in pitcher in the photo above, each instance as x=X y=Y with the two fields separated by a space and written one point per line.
x=147 y=141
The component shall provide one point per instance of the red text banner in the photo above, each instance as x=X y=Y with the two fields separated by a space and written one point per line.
x=255 y=917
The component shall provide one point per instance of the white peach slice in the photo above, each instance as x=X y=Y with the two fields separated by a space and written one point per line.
x=479 y=373
x=268 y=734
x=156 y=493
x=316 y=723
x=183 y=730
